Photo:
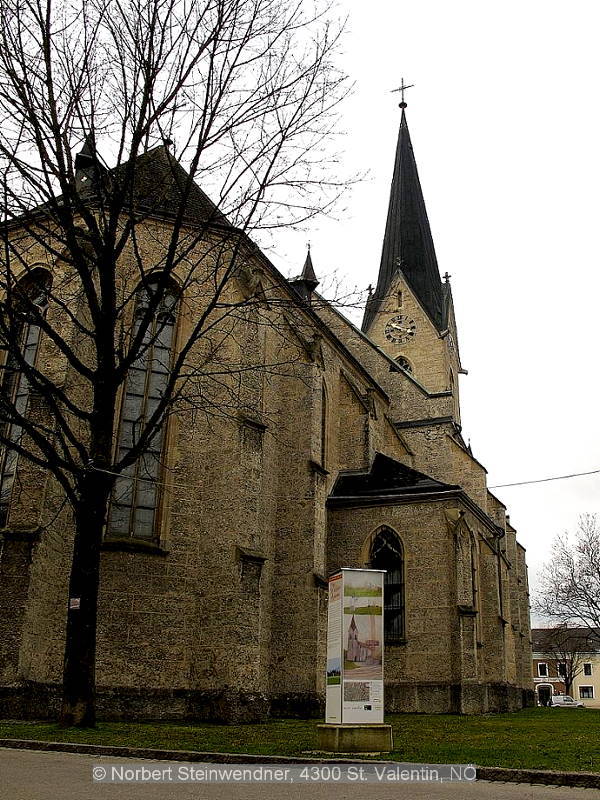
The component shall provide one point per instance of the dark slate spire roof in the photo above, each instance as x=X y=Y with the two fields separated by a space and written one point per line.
x=87 y=156
x=308 y=272
x=308 y=281
x=408 y=244
x=88 y=168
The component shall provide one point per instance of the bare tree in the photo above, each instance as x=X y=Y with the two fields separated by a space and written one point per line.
x=568 y=648
x=243 y=92
x=569 y=591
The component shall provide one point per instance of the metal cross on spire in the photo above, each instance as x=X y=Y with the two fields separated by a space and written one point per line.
x=402 y=88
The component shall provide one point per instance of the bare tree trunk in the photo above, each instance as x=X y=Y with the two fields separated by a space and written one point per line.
x=79 y=676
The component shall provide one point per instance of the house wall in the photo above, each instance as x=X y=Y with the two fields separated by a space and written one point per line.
x=555 y=681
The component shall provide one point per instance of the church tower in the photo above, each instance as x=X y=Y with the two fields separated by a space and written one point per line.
x=410 y=314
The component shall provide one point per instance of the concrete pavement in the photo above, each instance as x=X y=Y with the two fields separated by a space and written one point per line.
x=32 y=775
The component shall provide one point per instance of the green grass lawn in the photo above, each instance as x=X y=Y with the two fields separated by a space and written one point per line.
x=539 y=738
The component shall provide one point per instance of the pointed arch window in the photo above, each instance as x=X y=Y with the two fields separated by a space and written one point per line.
x=22 y=327
x=323 y=426
x=387 y=554
x=134 y=505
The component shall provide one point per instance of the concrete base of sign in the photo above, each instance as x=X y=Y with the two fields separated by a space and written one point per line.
x=358 y=738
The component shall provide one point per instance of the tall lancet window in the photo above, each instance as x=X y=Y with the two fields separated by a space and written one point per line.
x=387 y=554
x=136 y=495
x=30 y=301
x=323 y=426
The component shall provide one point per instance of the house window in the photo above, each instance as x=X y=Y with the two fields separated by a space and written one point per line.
x=135 y=495
x=587 y=669
x=542 y=669
x=561 y=669
x=20 y=326
x=387 y=554
x=586 y=692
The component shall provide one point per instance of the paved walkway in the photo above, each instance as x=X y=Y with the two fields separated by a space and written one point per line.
x=30 y=775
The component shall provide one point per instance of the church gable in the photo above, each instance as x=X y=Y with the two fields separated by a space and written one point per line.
x=404 y=330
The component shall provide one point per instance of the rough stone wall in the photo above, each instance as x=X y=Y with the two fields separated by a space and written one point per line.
x=352 y=428
x=467 y=473
x=15 y=560
x=453 y=658
x=492 y=625
x=431 y=617
x=230 y=603
x=408 y=398
x=524 y=619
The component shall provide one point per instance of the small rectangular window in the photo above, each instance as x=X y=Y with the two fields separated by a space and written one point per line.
x=586 y=692
x=561 y=669
x=542 y=669
x=587 y=669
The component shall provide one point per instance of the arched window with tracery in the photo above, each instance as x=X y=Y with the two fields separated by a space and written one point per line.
x=22 y=326
x=134 y=505
x=387 y=554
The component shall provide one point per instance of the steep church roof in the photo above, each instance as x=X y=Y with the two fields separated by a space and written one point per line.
x=157 y=186
x=408 y=243
x=160 y=184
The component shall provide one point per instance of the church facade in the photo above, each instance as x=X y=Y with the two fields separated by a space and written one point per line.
x=213 y=591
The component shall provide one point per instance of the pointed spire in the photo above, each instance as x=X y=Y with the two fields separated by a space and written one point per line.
x=87 y=156
x=308 y=272
x=308 y=281
x=407 y=243
x=88 y=167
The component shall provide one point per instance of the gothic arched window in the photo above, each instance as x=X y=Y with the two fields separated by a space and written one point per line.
x=22 y=330
x=136 y=494
x=323 y=426
x=387 y=554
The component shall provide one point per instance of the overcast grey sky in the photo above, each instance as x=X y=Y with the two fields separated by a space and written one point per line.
x=504 y=120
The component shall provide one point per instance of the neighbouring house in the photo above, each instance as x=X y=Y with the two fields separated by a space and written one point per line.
x=566 y=656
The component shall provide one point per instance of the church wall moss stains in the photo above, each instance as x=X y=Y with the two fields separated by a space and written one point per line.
x=223 y=614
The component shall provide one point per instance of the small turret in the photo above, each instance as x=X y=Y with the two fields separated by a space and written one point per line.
x=87 y=166
x=307 y=282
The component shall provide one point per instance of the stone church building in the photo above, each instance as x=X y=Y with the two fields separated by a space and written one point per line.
x=213 y=591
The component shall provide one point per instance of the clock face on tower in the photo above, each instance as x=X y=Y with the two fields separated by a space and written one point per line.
x=400 y=329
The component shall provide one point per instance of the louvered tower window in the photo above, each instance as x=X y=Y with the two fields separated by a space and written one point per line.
x=133 y=511
x=386 y=553
x=30 y=301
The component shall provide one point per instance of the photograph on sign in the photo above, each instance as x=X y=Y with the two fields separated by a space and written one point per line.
x=363 y=615
x=363 y=646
